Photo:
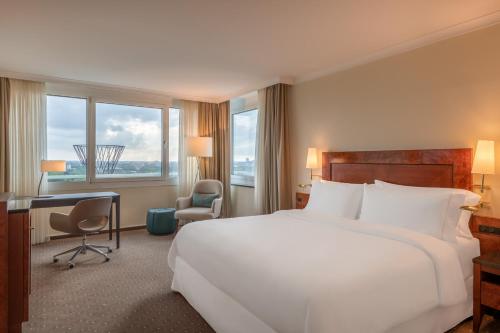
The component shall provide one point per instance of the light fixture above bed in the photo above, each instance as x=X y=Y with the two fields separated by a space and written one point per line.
x=484 y=161
x=312 y=160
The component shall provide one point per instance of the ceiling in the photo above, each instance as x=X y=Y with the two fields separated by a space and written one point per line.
x=212 y=50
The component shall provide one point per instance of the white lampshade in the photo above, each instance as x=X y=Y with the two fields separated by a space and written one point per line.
x=52 y=165
x=312 y=158
x=199 y=146
x=484 y=159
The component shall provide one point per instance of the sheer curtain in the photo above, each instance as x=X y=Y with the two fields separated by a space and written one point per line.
x=28 y=146
x=272 y=176
x=188 y=127
x=4 y=136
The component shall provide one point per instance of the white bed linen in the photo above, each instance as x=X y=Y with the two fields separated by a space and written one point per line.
x=225 y=315
x=467 y=249
x=298 y=272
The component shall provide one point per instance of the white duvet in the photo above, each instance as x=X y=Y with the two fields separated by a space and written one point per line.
x=300 y=272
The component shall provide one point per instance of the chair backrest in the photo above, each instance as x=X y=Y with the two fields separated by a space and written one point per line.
x=94 y=211
x=209 y=186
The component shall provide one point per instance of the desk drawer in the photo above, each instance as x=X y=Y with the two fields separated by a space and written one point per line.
x=490 y=295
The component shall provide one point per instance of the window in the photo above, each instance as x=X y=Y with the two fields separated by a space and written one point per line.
x=244 y=129
x=173 y=142
x=128 y=141
x=66 y=127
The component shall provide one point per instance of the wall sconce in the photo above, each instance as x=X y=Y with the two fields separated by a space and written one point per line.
x=312 y=160
x=484 y=161
x=311 y=163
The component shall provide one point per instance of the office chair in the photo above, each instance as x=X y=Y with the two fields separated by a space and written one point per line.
x=87 y=217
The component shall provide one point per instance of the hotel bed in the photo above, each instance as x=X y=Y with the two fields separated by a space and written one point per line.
x=314 y=271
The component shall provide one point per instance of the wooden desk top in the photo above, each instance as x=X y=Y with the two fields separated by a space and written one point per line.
x=18 y=205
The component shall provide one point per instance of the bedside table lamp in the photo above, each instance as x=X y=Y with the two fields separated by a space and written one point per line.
x=198 y=146
x=50 y=166
x=484 y=160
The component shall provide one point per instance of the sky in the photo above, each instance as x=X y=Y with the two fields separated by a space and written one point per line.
x=244 y=130
x=137 y=128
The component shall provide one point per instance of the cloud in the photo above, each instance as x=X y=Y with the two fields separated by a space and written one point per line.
x=244 y=135
x=137 y=128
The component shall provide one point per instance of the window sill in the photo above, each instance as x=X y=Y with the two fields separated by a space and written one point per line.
x=100 y=185
x=245 y=181
x=243 y=185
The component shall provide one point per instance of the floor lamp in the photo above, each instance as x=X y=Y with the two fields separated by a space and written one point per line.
x=198 y=146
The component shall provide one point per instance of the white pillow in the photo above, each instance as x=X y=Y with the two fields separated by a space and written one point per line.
x=423 y=212
x=470 y=199
x=337 y=199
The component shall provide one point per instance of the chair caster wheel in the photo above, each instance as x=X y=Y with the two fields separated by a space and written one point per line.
x=71 y=265
x=54 y=260
x=110 y=250
x=107 y=259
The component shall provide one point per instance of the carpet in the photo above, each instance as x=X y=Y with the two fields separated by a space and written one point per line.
x=130 y=293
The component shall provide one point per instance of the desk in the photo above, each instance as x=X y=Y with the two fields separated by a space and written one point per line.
x=61 y=200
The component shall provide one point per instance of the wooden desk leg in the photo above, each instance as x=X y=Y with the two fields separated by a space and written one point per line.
x=110 y=224
x=117 y=207
x=478 y=308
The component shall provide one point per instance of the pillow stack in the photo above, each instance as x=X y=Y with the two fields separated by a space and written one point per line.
x=432 y=211
x=336 y=199
x=470 y=199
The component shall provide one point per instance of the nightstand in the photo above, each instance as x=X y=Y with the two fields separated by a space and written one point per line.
x=486 y=285
x=301 y=200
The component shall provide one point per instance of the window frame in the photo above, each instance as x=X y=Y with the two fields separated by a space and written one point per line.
x=164 y=144
x=91 y=181
x=240 y=180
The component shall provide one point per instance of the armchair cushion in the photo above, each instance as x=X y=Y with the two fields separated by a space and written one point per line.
x=195 y=214
x=204 y=199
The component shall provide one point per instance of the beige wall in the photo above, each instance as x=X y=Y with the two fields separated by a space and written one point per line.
x=134 y=202
x=446 y=95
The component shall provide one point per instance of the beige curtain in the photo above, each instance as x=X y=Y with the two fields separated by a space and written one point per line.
x=4 y=133
x=272 y=178
x=28 y=146
x=213 y=121
x=188 y=127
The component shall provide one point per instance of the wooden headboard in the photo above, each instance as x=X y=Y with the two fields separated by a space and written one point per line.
x=430 y=167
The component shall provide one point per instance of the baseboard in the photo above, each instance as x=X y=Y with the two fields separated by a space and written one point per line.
x=103 y=231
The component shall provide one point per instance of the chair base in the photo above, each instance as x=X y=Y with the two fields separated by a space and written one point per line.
x=82 y=249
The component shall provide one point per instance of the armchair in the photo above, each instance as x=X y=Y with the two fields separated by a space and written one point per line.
x=184 y=205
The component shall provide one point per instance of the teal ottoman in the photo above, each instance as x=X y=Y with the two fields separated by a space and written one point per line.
x=161 y=221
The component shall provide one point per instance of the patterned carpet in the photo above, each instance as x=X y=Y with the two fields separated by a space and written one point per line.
x=130 y=293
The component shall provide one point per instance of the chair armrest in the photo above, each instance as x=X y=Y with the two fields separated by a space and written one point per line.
x=216 y=206
x=183 y=203
x=58 y=217
x=61 y=222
